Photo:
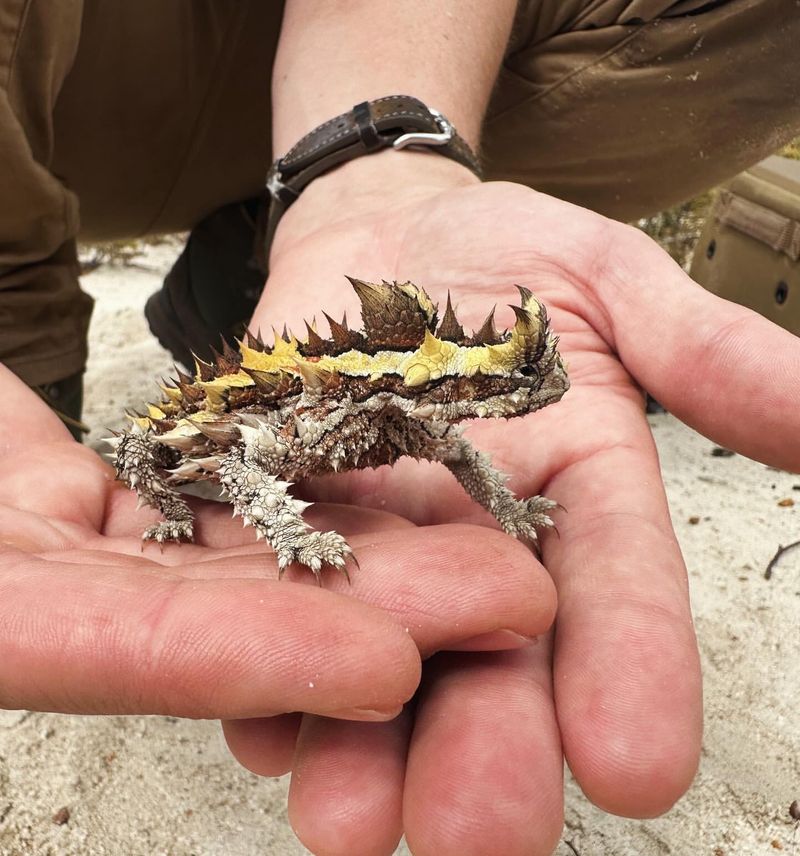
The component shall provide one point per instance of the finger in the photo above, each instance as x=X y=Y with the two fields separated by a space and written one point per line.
x=28 y=422
x=265 y=746
x=450 y=584
x=346 y=792
x=626 y=669
x=445 y=585
x=719 y=367
x=485 y=766
x=122 y=641
x=70 y=489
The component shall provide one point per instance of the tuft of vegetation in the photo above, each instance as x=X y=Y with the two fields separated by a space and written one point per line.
x=677 y=229
x=116 y=253
x=792 y=150
x=123 y=253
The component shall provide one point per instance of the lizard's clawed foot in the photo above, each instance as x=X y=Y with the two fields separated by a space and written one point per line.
x=521 y=518
x=315 y=549
x=169 y=530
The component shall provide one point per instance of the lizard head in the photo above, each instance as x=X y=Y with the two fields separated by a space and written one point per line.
x=452 y=376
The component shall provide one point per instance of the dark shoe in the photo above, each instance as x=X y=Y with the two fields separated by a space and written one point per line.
x=213 y=287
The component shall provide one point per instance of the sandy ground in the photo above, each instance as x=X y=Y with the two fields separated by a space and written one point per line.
x=146 y=786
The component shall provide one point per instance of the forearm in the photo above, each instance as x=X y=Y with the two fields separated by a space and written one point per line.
x=335 y=53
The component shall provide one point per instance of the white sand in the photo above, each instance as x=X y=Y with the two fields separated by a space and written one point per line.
x=146 y=786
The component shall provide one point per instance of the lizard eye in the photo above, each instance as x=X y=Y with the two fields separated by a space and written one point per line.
x=529 y=370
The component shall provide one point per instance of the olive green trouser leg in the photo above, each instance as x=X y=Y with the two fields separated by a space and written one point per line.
x=631 y=106
x=43 y=314
x=116 y=120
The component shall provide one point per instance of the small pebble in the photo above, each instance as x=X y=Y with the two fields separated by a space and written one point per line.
x=694 y=520
x=786 y=503
x=61 y=816
x=794 y=810
x=719 y=452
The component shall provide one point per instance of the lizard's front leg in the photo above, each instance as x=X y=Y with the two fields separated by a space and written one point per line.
x=487 y=485
x=136 y=462
x=263 y=501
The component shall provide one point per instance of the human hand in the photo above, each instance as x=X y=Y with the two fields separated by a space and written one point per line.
x=91 y=622
x=623 y=699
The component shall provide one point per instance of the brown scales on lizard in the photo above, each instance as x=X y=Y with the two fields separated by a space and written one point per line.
x=261 y=418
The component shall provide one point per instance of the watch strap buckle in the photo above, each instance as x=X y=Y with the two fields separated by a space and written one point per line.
x=422 y=138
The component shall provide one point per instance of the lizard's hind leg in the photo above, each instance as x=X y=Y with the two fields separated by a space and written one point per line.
x=487 y=485
x=137 y=463
x=263 y=502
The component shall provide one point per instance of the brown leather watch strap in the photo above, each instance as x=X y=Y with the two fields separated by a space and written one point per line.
x=395 y=121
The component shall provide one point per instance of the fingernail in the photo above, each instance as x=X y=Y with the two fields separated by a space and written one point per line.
x=495 y=640
x=365 y=714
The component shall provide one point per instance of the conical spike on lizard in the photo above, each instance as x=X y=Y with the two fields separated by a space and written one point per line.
x=267 y=382
x=232 y=355
x=228 y=361
x=392 y=315
x=450 y=329
x=314 y=346
x=526 y=297
x=344 y=339
x=254 y=341
x=316 y=378
x=488 y=335
x=205 y=371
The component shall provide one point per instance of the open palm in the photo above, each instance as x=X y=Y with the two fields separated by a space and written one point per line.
x=618 y=686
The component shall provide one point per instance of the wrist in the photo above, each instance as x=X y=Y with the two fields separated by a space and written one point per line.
x=372 y=184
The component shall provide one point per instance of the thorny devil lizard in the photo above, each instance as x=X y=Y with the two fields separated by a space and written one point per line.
x=261 y=418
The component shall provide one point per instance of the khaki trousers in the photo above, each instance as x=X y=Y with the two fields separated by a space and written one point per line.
x=121 y=119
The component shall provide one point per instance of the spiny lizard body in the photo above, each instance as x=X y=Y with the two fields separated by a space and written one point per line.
x=260 y=418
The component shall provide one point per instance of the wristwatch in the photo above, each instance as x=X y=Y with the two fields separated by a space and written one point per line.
x=395 y=121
